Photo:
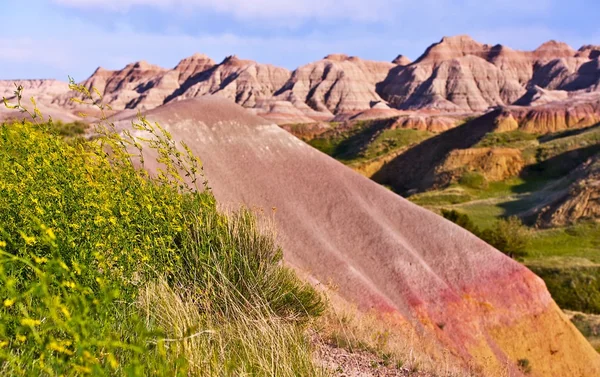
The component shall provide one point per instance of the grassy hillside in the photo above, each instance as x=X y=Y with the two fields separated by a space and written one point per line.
x=107 y=271
x=357 y=143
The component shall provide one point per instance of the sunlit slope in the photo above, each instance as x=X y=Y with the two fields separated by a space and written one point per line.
x=379 y=250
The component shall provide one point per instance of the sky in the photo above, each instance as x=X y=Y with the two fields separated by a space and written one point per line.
x=62 y=38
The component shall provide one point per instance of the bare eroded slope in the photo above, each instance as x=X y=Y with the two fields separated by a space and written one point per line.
x=379 y=250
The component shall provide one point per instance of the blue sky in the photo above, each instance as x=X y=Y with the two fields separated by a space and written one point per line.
x=57 y=38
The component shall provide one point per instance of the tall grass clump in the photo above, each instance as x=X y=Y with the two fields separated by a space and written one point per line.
x=106 y=270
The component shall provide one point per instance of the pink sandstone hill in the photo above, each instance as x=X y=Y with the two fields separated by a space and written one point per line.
x=383 y=253
x=460 y=74
x=337 y=84
x=44 y=92
x=242 y=81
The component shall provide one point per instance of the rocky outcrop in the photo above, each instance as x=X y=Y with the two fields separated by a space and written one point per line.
x=538 y=96
x=427 y=122
x=43 y=90
x=493 y=164
x=589 y=51
x=285 y=113
x=580 y=201
x=453 y=48
x=401 y=60
x=336 y=84
x=460 y=74
x=579 y=111
x=242 y=81
x=553 y=50
x=190 y=67
x=415 y=169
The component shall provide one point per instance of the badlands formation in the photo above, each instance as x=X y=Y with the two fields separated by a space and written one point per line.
x=420 y=273
x=455 y=75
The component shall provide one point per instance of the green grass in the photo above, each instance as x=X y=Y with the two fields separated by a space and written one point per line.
x=107 y=271
x=326 y=145
x=555 y=145
x=580 y=241
x=391 y=140
x=75 y=129
x=366 y=140
x=444 y=198
x=473 y=180
x=512 y=139
x=573 y=287
x=482 y=214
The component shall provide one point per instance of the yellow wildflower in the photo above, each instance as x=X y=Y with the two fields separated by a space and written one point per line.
x=112 y=361
x=30 y=322
x=60 y=347
x=68 y=284
x=50 y=234
x=8 y=302
x=28 y=240
x=65 y=312
x=82 y=369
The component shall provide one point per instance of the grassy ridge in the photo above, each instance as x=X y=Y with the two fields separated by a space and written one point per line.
x=366 y=140
x=106 y=271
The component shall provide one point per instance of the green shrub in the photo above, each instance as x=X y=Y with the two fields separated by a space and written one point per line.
x=524 y=365
x=573 y=288
x=107 y=271
x=461 y=219
x=74 y=129
x=509 y=236
x=473 y=180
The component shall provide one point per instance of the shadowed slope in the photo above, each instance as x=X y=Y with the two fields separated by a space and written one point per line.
x=379 y=250
x=415 y=168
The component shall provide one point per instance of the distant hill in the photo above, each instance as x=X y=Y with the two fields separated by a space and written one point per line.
x=456 y=74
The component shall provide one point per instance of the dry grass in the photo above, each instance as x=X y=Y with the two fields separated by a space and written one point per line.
x=389 y=338
x=253 y=343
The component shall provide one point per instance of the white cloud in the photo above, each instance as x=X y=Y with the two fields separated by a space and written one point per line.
x=299 y=10
x=88 y=47
x=359 y=10
x=25 y=50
